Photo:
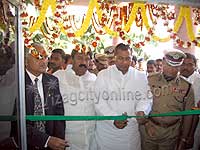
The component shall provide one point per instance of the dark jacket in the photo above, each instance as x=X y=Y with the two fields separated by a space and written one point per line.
x=53 y=105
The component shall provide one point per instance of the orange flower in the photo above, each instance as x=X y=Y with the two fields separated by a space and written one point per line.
x=26 y=41
x=55 y=20
x=137 y=45
x=64 y=12
x=70 y=34
x=119 y=29
x=100 y=32
x=94 y=44
x=24 y=23
x=114 y=7
x=142 y=43
x=55 y=35
x=58 y=6
x=147 y=38
x=121 y=33
x=115 y=16
x=57 y=14
x=23 y=14
x=150 y=32
x=97 y=38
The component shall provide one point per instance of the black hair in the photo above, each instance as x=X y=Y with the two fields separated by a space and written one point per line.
x=188 y=55
x=151 y=62
x=159 y=59
x=60 y=51
x=67 y=57
x=134 y=58
x=122 y=47
x=74 y=52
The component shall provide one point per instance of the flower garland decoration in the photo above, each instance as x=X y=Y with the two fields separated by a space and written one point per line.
x=107 y=29
x=196 y=11
x=118 y=31
x=132 y=17
x=86 y=21
x=43 y=11
x=185 y=12
x=159 y=11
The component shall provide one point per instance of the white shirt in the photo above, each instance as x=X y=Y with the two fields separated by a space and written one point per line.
x=118 y=93
x=40 y=87
x=194 y=79
x=78 y=100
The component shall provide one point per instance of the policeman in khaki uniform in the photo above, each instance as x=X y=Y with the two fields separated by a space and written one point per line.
x=171 y=93
x=101 y=62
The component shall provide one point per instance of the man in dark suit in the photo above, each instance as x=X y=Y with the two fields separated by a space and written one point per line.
x=49 y=134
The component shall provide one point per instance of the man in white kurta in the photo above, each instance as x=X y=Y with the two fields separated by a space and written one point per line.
x=76 y=85
x=188 y=71
x=121 y=89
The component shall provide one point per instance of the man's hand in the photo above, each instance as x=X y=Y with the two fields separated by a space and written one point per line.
x=120 y=124
x=57 y=143
x=141 y=120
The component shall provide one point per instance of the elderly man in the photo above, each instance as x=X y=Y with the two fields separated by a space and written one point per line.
x=171 y=93
x=42 y=98
x=76 y=86
x=188 y=71
x=120 y=89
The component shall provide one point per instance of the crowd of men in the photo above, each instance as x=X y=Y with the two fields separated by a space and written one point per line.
x=111 y=84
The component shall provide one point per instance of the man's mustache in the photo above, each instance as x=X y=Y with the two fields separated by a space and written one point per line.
x=82 y=65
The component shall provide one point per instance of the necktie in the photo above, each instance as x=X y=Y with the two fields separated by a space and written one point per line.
x=38 y=110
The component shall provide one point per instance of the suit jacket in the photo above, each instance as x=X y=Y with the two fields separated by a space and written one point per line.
x=53 y=106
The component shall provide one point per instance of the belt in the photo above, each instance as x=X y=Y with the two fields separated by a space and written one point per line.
x=164 y=125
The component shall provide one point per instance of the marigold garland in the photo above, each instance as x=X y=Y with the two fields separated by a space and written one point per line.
x=132 y=17
x=107 y=29
x=184 y=13
x=43 y=11
x=87 y=19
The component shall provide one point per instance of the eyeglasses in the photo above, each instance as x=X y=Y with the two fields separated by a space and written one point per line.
x=37 y=54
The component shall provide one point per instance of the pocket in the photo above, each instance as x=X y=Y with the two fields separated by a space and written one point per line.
x=150 y=129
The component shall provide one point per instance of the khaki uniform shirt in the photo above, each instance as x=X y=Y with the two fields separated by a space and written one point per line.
x=168 y=96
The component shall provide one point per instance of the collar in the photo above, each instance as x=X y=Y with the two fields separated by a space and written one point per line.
x=73 y=72
x=32 y=77
x=171 y=79
x=117 y=70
